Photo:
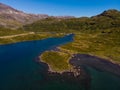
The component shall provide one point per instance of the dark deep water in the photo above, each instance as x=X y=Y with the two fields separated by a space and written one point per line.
x=20 y=71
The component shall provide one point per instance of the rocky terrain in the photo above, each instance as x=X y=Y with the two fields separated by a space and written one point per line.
x=12 y=18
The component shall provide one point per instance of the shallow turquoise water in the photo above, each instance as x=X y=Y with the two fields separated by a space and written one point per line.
x=20 y=71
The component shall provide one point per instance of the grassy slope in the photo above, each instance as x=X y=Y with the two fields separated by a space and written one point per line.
x=106 y=20
x=6 y=31
x=29 y=37
x=106 y=45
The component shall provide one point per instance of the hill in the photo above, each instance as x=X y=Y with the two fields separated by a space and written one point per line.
x=12 y=18
x=106 y=20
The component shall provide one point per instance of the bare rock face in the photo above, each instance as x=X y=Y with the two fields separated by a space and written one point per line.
x=12 y=18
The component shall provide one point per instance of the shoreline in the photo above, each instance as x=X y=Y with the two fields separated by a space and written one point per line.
x=96 y=62
x=79 y=73
x=50 y=69
x=33 y=33
x=93 y=61
x=76 y=75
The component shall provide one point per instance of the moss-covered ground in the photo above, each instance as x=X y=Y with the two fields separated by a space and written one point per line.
x=58 y=61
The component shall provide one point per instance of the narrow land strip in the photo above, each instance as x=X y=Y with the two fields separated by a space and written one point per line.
x=11 y=36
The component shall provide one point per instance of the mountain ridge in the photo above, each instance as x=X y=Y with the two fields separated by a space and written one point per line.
x=10 y=17
x=107 y=20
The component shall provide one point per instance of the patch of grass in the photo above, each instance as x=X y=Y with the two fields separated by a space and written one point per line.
x=58 y=61
x=7 y=32
x=106 y=45
x=29 y=37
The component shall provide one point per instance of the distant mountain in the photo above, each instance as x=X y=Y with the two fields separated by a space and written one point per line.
x=12 y=18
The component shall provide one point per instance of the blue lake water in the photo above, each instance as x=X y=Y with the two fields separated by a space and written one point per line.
x=20 y=71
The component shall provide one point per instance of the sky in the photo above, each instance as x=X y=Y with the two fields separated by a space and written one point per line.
x=76 y=8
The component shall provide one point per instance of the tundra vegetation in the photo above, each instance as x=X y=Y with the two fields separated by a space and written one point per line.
x=98 y=35
x=58 y=61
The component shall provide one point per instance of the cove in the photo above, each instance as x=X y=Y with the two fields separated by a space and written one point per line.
x=20 y=71
x=105 y=75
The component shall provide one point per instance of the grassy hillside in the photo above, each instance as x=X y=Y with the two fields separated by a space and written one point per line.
x=6 y=31
x=103 y=44
x=107 y=20
x=12 y=36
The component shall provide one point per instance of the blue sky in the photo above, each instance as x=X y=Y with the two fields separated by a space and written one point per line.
x=64 y=7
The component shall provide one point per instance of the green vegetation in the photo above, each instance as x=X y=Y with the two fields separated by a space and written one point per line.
x=107 y=20
x=6 y=32
x=20 y=39
x=8 y=36
x=28 y=37
x=98 y=35
x=104 y=44
x=58 y=61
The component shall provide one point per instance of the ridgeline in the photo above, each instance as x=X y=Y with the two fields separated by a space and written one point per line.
x=98 y=35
